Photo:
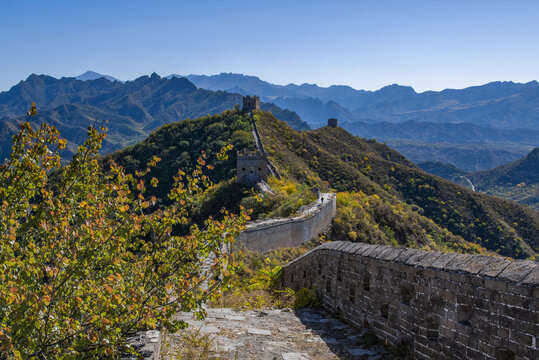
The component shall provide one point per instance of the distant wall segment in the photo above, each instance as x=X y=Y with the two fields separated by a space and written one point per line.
x=275 y=233
x=446 y=305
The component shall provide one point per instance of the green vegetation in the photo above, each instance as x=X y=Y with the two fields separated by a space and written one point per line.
x=180 y=144
x=333 y=158
x=371 y=219
x=255 y=284
x=84 y=263
x=526 y=194
x=517 y=181
x=411 y=208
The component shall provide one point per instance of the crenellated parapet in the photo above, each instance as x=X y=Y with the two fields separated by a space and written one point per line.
x=444 y=305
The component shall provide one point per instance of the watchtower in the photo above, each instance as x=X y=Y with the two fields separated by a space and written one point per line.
x=251 y=103
x=251 y=163
x=332 y=122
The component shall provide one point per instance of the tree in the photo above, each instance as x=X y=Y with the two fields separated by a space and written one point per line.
x=84 y=262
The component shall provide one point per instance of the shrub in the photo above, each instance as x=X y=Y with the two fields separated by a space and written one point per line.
x=85 y=263
x=306 y=297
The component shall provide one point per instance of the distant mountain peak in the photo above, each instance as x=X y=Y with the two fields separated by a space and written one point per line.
x=92 y=75
x=396 y=88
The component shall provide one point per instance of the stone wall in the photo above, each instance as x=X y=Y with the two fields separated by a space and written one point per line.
x=275 y=233
x=444 y=305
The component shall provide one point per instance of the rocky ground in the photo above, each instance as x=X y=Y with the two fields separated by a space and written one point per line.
x=277 y=334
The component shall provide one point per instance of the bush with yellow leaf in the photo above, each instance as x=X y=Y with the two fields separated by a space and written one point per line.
x=84 y=263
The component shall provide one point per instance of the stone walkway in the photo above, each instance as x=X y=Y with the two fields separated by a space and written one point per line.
x=279 y=334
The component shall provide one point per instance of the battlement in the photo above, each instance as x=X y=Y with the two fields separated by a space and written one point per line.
x=251 y=103
x=332 y=122
x=251 y=162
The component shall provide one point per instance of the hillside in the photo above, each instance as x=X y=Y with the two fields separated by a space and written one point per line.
x=133 y=109
x=525 y=170
x=179 y=145
x=348 y=163
x=383 y=197
x=517 y=181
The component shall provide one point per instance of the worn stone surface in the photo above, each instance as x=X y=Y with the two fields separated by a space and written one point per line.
x=295 y=335
x=517 y=270
x=447 y=305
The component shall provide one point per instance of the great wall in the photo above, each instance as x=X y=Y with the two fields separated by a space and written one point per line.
x=271 y=234
x=440 y=305
x=443 y=305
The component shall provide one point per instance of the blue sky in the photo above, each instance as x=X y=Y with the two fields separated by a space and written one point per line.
x=430 y=45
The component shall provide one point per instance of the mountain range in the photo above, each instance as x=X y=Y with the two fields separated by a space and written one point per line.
x=130 y=110
x=496 y=104
x=476 y=128
x=92 y=75
x=499 y=121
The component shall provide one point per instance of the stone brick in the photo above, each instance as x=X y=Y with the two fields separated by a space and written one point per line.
x=415 y=258
x=405 y=254
x=477 y=263
x=366 y=248
x=375 y=251
x=390 y=253
x=429 y=259
x=442 y=260
x=494 y=267
x=495 y=285
x=532 y=278
x=517 y=270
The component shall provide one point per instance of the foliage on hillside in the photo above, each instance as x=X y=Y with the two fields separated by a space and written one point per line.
x=332 y=157
x=180 y=144
x=371 y=219
x=522 y=171
x=415 y=208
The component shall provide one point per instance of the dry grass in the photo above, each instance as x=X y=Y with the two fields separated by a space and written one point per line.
x=187 y=344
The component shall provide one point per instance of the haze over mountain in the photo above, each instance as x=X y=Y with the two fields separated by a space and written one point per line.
x=132 y=109
x=498 y=121
x=496 y=104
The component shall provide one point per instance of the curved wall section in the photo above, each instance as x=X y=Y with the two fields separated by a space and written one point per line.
x=275 y=233
x=445 y=305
